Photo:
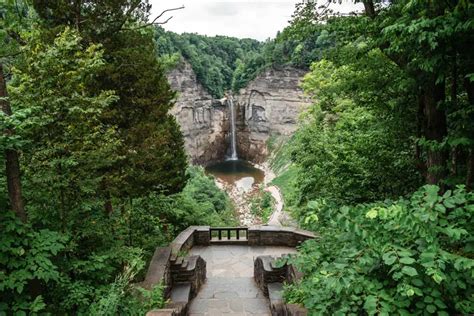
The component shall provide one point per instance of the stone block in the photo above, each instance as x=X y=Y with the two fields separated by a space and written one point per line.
x=295 y=310
x=159 y=269
x=202 y=236
x=181 y=292
x=161 y=312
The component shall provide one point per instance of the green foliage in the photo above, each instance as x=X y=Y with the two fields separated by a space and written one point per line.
x=103 y=164
x=214 y=59
x=154 y=298
x=286 y=182
x=247 y=69
x=203 y=203
x=123 y=298
x=350 y=148
x=110 y=303
x=405 y=257
x=262 y=205
x=26 y=258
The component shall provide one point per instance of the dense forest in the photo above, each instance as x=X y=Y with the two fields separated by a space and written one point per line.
x=96 y=175
x=381 y=167
x=223 y=63
x=214 y=59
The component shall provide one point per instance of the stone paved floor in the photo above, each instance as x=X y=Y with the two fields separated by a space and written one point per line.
x=230 y=288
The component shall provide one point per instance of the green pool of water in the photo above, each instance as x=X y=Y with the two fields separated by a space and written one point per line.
x=239 y=173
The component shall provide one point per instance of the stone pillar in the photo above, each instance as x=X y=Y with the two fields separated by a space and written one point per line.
x=202 y=236
x=253 y=236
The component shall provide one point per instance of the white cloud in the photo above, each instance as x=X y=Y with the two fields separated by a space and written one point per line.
x=259 y=19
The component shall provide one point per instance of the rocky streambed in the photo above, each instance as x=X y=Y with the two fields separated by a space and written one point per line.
x=244 y=182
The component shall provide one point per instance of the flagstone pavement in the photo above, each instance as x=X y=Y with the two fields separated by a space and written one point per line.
x=230 y=288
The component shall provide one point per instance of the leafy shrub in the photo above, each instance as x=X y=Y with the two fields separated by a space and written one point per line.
x=409 y=257
x=351 y=148
x=262 y=206
x=123 y=298
x=26 y=261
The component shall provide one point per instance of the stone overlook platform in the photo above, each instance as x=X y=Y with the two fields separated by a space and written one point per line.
x=225 y=271
x=230 y=288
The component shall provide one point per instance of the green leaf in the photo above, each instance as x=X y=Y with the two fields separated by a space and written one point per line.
x=370 y=305
x=409 y=271
x=407 y=260
x=373 y=213
x=440 y=303
x=431 y=309
x=389 y=258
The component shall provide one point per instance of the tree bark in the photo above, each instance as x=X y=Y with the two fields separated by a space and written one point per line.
x=420 y=164
x=470 y=169
x=469 y=87
x=369 y=8
x=109 y=209
x=435 y=130
x=12 y=163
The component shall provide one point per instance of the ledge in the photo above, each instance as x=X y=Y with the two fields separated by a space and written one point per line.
x=267 y=235
x=158 y=269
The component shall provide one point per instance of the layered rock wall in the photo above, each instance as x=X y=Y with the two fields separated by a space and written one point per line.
x=203 y=120
x=268 y=106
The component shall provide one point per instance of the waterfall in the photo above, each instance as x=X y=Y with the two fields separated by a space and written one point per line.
x=233 y=145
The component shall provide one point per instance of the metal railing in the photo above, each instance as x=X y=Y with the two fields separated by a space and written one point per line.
x=231 y=232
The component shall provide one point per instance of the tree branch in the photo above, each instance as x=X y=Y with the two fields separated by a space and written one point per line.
x=154 y=22
x=163 y=12
x=17 y=37
x=164 y=22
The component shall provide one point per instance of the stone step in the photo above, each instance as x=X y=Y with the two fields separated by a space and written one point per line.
x=179 y=261
x=181 y=292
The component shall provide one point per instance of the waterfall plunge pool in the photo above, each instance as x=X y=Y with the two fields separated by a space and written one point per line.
x=239 y=173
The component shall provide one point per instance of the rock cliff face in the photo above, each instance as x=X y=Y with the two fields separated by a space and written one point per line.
x=203 y=120
x=269 y=106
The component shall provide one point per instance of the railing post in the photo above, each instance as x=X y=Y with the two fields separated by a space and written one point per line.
x=237 y=233
x=220 y=234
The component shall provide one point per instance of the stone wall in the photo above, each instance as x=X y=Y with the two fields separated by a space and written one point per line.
x=183 y=275
x=277 y=236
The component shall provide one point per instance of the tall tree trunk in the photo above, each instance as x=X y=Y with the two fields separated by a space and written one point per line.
x=454 y=105
x=470 y=169
x=369 y=8
x=77 y=18
x=109 y=209
x=469 y=86
x=11 y=156
x=435 y=130
x=420 y=165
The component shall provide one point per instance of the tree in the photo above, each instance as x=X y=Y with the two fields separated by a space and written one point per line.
x=11 y=157
x=152 y=148
x=11 y=15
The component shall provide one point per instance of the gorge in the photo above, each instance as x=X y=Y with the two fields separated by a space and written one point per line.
x=231 y=136
x=268 y=107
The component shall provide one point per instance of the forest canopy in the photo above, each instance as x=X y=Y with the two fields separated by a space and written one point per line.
x=96 y=175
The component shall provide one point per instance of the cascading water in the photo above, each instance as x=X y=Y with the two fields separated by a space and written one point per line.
x=233 y=145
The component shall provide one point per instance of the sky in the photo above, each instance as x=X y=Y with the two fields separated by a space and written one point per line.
x=258 y=19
